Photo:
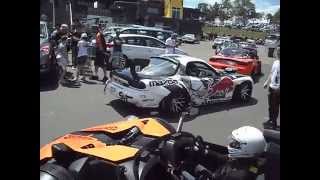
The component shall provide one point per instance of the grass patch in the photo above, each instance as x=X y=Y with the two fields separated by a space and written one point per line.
x=237 y=32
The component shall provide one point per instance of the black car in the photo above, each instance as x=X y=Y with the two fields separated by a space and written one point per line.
x=48 y=63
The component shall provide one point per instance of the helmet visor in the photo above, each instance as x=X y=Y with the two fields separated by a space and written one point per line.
x=233 y=143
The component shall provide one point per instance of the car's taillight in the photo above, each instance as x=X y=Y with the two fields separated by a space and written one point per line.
x=44 y=49
x=109 y=45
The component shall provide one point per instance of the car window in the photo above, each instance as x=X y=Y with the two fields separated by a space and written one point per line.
x=200 y=70
x=129 y=31
x=43 y=31
x=134 y=41
x=142 y=32
x=153 y=33
x=154 y=43
x=159 y=67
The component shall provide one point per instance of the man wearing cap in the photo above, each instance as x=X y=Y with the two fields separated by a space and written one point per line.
x=171 y=44
x=59 y=39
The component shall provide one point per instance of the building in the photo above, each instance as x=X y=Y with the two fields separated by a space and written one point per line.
x=61 y=10
x=173 y=9
x=191 y=14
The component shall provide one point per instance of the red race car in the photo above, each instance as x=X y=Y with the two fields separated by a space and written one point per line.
x=243 y=60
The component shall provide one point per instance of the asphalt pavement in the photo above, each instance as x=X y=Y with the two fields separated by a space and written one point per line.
x=64 y=109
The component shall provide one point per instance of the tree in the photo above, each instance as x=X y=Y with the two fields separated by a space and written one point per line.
x=276 y=17
x=203 y=7
x=213 y=11
x=244 y=9
x=227 y=7
x=269 y=17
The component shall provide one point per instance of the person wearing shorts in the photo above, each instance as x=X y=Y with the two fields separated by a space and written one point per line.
x=82 y=56
x=100 y=60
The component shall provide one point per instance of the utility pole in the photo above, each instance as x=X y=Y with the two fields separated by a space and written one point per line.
x=53 y=13
x=70 y=9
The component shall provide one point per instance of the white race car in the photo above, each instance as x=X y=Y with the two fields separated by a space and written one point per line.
x=171 y=81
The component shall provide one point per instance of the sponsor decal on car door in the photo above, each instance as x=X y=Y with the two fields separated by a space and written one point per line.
x=218 y=88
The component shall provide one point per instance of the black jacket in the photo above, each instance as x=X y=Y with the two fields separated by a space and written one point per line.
x=237 y=169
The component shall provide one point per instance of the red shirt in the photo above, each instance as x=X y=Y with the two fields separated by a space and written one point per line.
x=100 y=41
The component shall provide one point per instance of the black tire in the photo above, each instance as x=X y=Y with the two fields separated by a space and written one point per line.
x=175 y=103
x=54 y=172
x=243 y=92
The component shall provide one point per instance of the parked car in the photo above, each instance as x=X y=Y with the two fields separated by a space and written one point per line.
x=226 y=44
x=158 y=33
x=237 y=39
x=48 y=63
x=140 y=47
x=260 y=42
x=189 y=38
x=239 y=59
x=171 y=81
x=247 y=45
x=251 y=41
x=219 y=41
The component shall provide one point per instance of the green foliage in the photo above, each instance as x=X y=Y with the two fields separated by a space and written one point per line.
x=276 y=17
x=237 y=32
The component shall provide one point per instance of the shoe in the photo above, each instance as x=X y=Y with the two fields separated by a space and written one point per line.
x=83 y=79
x=77 y=83
x=104 y=79
x=94 y=78
x=269 y=125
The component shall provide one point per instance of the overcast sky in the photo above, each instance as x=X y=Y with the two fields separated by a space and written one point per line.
x=266 y=6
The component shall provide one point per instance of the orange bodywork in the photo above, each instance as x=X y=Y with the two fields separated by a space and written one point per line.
x=242 y=65
x=147 y=126
x=151 y=128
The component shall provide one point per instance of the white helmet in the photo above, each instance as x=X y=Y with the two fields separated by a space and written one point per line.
x=246 y=142
x=84 y=35
x=64 y=27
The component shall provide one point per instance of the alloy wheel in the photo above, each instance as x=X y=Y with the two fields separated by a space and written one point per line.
x=177 y=104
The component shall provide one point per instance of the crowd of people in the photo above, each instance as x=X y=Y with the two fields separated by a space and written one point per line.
x=64 y=40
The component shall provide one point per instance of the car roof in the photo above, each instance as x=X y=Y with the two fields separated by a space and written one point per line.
x=147 y=29
x=183 y=59
x=137 y=35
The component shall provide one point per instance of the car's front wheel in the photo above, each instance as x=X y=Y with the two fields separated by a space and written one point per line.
x=174 y=103
x=243 y=92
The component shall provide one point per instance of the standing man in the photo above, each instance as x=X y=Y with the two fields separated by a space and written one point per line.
x=171 y=44
x=59 y=40
x=82 y=55
x=117 y=51
x=75 y=37
x=274 y=93
x=101 y=49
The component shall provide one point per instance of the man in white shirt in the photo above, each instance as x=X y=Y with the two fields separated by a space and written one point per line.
x=171 y=44
x=82 y=57
x=274 y=93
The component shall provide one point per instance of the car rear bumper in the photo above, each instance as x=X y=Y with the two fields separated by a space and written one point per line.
x=247 y=70
x=140 y=98
x=45 y=66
